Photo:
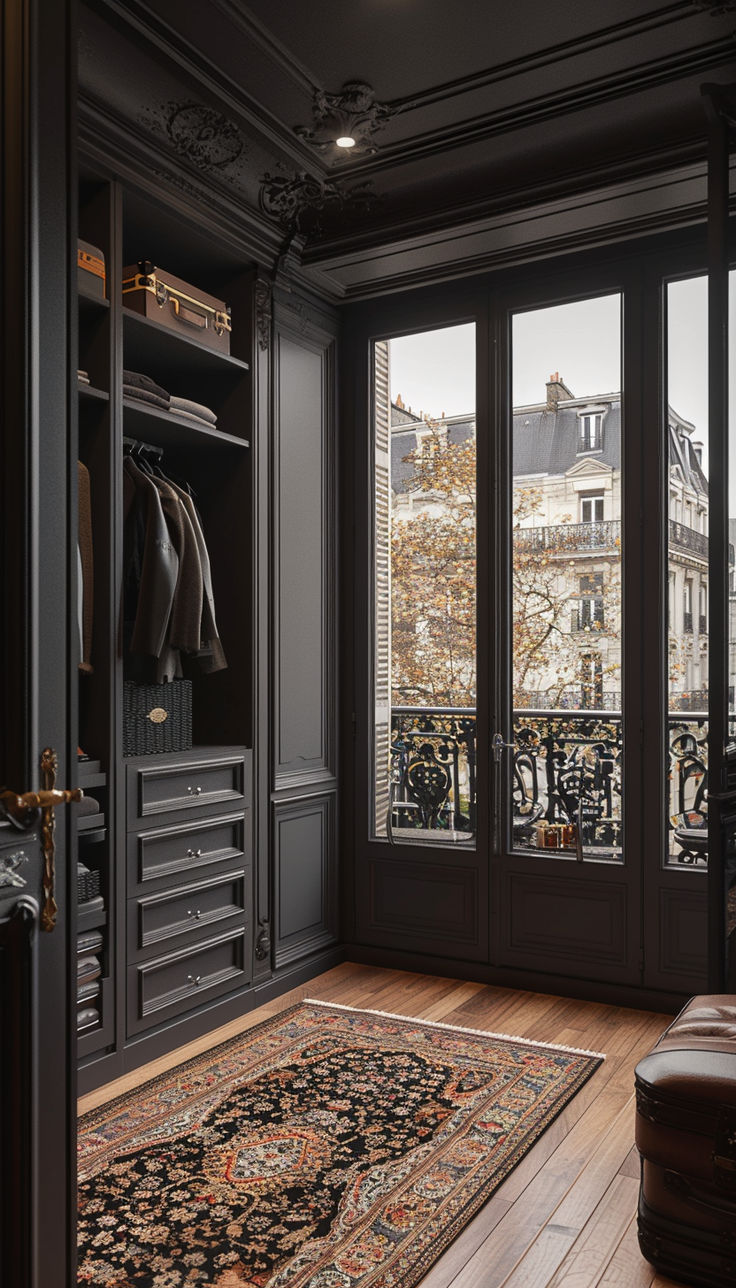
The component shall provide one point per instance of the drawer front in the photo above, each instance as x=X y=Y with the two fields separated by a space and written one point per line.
x=182 y=981
x=188 y=913
x=190 y=785
x=185 y=850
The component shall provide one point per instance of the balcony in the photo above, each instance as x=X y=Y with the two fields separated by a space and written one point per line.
x=565 y=768
x=688 y=540
x=605 y=534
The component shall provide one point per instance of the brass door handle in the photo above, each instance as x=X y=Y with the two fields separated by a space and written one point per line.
x=18 y=807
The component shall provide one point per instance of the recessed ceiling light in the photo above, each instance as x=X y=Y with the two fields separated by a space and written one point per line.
x=345 y=141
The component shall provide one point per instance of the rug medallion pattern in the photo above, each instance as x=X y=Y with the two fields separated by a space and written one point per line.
x=326 y=1148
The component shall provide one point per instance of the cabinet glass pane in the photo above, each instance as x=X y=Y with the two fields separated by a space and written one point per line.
x=566 y=579
x=424 y=558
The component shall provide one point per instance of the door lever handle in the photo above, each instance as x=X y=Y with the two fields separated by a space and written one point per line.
x=19 y=808
x=497 y=747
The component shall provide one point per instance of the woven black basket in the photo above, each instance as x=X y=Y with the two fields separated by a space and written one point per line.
x=157 y=718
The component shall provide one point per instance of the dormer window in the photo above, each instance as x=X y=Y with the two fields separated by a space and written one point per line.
x=591 y=432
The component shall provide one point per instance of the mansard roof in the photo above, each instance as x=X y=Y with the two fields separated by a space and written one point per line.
x=547 y=442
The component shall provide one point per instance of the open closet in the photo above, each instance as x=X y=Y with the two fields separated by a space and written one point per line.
x=175 y=924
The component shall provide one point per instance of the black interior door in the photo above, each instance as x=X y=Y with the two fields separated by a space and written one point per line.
x=37 y=1042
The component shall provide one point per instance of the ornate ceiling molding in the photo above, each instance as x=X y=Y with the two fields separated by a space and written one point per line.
x=205 y=138
x=354 y=112
x=303 y=204
x=533 y=112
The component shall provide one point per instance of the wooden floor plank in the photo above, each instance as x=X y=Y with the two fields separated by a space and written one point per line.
x=627 y=1267
x=593 y=1250
x=565 y=1215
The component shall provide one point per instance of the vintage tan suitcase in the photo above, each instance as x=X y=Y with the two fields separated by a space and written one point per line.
x=91 y=269
x=157 y=294
x=686 y=1136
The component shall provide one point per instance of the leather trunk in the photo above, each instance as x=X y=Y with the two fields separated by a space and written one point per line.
x=686 y=1136
x=158 y=295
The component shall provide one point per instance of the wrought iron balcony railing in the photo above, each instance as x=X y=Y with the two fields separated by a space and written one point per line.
x=688 y=539
x=566 y=767
x=604 y=534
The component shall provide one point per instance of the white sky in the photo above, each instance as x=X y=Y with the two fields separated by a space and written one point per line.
x=435 y=371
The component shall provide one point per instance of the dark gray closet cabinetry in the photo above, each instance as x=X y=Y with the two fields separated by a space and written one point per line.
x=189 y=905
x=172 y=841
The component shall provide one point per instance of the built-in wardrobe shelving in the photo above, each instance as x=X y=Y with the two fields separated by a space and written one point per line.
x=217 y=866
x=169 y=848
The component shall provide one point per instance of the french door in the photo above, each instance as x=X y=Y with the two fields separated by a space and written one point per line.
x=530 y=763
x=37 y=1040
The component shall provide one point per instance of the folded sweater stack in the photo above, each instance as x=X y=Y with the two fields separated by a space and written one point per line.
x=188 y=410
x=145 y=390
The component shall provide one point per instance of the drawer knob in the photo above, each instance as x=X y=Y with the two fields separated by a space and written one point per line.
x=196 y=914
x=194 y=979
x=194 y=791
x=194 y=854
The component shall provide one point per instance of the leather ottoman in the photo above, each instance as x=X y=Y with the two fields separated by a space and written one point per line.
x=686 y=1136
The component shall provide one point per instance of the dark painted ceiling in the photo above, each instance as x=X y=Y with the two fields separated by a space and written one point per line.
x=500 y=130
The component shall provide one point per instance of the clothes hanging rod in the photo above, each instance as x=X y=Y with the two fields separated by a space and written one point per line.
x=144 y=447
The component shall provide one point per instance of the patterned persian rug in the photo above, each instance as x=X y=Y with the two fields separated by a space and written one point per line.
x=325 y=1148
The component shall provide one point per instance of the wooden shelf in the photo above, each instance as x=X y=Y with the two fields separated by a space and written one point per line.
x=89 y=302
x=165 y=429
x=94 y=779
x=92 y=393
x=90 y=918
x=158 y=351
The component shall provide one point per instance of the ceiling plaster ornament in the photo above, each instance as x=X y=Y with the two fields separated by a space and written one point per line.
x=264 y=315
x=303 y=203
x=203 y=137
x=353 y=113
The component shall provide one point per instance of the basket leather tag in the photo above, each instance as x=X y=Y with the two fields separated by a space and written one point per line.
x=158 y=715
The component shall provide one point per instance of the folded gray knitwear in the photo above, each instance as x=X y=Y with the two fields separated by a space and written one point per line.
x=179 y=404
x=141 y=381
x=143 y=396
x=195 y=420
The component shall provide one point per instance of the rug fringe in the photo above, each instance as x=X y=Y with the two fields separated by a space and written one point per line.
x=457 y=1028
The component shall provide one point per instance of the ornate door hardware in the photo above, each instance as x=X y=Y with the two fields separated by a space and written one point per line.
x=22 y=810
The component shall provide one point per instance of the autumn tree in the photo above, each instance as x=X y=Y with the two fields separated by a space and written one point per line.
x=433 y=598
x=433 y=565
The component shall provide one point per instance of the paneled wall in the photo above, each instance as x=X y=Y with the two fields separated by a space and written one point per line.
x=304 y=741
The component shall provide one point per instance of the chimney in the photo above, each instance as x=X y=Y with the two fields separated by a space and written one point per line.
x=557 y=391
x=399 y=401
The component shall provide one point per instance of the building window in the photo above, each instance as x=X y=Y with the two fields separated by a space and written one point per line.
x=591 y=437
x=591 y=681
x=591 y=508
x=590 y=602
x=687 y=604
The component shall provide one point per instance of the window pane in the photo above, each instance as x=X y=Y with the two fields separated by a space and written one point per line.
x=566 y=579
x=425 y=585
x=687 y=571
